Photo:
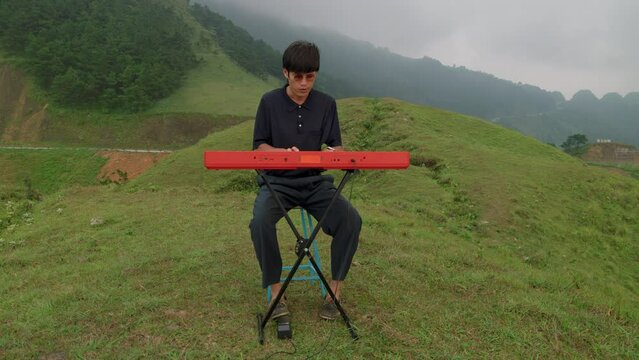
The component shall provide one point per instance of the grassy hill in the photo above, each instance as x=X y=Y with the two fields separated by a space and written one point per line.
x=491 y=245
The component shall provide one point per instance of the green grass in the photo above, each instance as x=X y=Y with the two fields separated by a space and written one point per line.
x=491 y=245
x=48 y=171
x=28 y=175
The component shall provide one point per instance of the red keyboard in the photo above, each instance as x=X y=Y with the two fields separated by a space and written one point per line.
x=289 y=160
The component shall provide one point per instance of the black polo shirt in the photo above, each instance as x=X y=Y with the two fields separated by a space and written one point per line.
x=282 y=123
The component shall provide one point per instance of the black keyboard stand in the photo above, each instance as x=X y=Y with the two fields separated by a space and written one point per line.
x=303 y=251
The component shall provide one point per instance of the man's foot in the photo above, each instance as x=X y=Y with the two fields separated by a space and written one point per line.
x=280 y=310
x=329 y=311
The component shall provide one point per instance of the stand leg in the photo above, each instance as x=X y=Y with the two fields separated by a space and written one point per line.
x=260 y=329
x=347 y=321
x=274 y=303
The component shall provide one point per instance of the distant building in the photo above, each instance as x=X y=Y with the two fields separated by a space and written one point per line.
x=624 y=153
x=604 y=150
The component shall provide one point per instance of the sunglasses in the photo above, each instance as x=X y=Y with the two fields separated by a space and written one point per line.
x=300 y=76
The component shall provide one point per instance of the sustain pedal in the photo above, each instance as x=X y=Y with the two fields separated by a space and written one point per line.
x=284 y=330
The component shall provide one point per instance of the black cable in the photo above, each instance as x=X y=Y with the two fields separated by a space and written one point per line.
x=283 y=352
x=355 y=176
x=320 y=350
x=324 y=346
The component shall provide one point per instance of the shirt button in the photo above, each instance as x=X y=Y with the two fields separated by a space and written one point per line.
x=299 y=116
x=300 y=125
x=299 y=106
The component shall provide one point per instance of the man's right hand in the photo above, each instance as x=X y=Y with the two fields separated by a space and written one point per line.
x=267 y=147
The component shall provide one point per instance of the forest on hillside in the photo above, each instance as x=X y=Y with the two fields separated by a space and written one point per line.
x=123 y=55
x=109 y=55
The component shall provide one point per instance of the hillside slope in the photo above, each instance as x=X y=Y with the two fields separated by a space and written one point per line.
x=218 y=85
x=491 y=245
x=21 y=117
x=216 y=93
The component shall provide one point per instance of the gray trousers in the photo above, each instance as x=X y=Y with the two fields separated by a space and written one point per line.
x=313 y=193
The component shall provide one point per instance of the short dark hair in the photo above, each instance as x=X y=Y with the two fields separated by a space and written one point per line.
x=301 y=57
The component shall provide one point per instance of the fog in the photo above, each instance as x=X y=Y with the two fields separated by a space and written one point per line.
x=564 y=45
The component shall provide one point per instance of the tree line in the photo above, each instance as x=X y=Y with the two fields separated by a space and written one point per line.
x=112 y=55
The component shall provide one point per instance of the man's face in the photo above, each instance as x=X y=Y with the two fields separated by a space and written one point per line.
x=300 y=84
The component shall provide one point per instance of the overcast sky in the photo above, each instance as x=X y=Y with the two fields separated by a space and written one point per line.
x=564 y=45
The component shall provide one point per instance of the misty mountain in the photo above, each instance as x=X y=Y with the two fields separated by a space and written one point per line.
x=379 y=72
x=611 y=117
x=374 y=71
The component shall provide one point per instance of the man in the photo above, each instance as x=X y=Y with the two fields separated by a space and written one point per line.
x=299 y=118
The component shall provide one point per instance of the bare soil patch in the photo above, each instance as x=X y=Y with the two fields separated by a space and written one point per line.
x=122 y=166
x=20 y=117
